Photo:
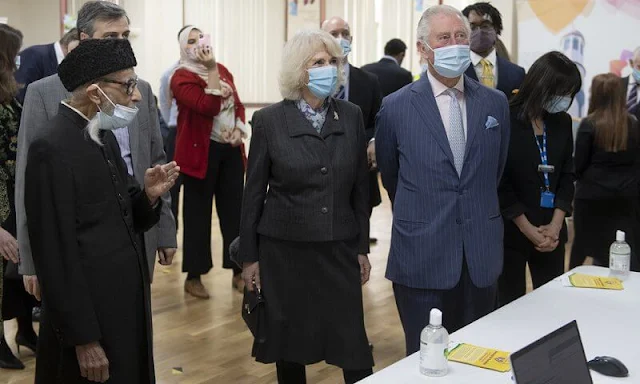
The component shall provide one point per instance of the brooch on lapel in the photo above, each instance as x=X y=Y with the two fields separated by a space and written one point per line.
x=335 y=115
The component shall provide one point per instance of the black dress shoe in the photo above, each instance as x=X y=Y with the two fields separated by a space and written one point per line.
x=29 y=340
x=7 y=359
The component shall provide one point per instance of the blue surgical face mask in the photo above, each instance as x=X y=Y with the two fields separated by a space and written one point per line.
x=558 y=104
x=636 y=74
x=346 y=46
x=451 y=61
x=120 y=117
x=323 y=81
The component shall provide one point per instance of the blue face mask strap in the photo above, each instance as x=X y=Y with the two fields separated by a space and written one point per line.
x=432 y=50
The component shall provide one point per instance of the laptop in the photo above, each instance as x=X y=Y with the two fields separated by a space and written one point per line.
x=557 y=358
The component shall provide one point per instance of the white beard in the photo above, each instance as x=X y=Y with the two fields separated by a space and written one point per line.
x=93 y=129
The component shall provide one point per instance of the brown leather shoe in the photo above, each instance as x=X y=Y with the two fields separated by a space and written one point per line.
x=238 y=283
x=196 y=289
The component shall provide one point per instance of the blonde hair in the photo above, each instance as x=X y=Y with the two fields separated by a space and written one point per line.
x=296 y=55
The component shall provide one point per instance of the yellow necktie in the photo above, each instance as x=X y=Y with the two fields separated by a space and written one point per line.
x=487 y=74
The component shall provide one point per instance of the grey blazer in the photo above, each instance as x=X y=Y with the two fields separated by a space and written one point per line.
x=305 y=186
x=41 y=105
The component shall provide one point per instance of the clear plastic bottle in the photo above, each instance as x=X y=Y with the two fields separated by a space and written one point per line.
x=434 y=341
x=619 y=257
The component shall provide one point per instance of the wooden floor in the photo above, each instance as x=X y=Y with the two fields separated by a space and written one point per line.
x=208 y=342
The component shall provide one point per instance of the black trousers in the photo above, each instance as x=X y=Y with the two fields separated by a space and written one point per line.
x=544 y=267
x=170 y=149
x=225 y=181
x=294 y=373
x=595 y=223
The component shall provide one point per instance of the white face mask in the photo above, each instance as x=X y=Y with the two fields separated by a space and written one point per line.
x=345 y=45
x=120 y=117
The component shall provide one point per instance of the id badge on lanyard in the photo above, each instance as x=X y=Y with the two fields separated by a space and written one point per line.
x=547 y=198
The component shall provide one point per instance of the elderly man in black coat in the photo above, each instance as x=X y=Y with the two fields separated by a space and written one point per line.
x=86 y=216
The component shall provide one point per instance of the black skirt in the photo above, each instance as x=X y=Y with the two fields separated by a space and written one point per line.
x=313 y=304
x=596 y=222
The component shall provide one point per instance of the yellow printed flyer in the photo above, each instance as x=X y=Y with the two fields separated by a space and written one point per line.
x=479 y=357
x=580 y=280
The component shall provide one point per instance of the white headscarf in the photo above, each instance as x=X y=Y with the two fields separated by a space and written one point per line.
x=188 y=58
x=189 y=62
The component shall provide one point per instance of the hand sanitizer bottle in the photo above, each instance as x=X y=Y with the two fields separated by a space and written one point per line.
x=619 y=257
x=434 y=340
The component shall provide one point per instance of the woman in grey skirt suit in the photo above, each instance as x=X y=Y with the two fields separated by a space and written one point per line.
x=304 y=233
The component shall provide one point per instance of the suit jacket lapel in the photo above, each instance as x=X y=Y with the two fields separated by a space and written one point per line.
x=134 y=142
x=424 y=102
x=354 y=83
x=53 y=60
x=503 y=77
x=471 y=72
x=528 y=138
x=475 y=120
x=297 y=124
x=332 y=124
x=625 y=83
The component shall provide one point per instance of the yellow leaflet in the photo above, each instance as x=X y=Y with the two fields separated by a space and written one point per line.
x=580 y=280
x=480 y=357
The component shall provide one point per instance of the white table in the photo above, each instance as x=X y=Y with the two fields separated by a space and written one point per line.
x=609 y=323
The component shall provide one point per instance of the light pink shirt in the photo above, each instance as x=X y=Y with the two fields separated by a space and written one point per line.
x=443 y=101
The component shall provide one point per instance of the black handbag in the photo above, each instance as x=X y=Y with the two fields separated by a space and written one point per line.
x=253 y=314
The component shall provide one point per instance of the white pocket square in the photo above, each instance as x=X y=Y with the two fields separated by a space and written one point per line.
x=491 y=122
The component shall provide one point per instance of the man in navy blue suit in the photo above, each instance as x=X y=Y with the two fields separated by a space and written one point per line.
x=486 y=66
x=389 y=69
x=40 y=61
x=362 y=89
x=441 y=146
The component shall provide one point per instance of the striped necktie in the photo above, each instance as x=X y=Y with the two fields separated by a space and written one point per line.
x=633 y=97
x=487 y=78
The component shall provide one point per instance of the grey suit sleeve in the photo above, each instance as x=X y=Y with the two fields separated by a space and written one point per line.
x=34 y=117
x=167 y=223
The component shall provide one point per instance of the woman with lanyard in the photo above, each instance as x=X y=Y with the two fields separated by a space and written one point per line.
x=536 y=191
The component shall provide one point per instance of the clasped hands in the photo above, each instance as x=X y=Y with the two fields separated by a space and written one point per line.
x=545 y=238
x=233 y=137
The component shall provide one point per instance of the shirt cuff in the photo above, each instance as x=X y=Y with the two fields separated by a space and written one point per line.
x=514 y=211
x=372 y=140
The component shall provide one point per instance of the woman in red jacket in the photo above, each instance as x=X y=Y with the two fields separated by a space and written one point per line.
x=209 y=149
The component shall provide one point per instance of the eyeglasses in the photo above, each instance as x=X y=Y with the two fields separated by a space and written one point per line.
x=131 y=84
